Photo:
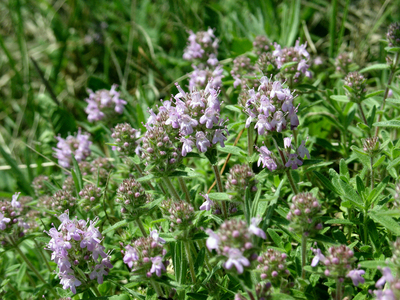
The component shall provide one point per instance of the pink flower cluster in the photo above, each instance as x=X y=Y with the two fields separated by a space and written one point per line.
x=103 y=101
x=78 y=146
x=76 y=244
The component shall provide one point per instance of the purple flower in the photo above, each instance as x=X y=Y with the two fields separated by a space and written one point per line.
x=266 y=159
x=236 y=259
x=262 y=125
x=293 y=161
x=212 y=60
x=14 y=202
x=277 y=91
x=303 y=151
x=318 y=257
x=287 y=142
x=155 y=236
x=157 y=265
x=294 y=119
x=130 y=256
x=3 y=221
x=387 y=277
x=69 y=281
x=265 y=106
x=219 y=137
x=202 y=142
x=279 y=121
x=196 y=100
x=213 y=240
x=207 y=204
x=256 y=230
x=174 y=118
x=98 y=273
x=187 y=145
x=301 y=49
x=355 y=276
x=209 y=117
x=385 y=295
x=187 y=124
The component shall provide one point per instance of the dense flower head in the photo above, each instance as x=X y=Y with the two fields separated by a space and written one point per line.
x=338 y=263
x=234 y=240
x=160 y=146
x=297 y=56
x=180 y=214
x=78 y=146
x=11 y=212
x=90 y=196
x=77 y=244
x=69 y=184
x=132 y=196
x=145 y=256
x=342 y=62
x=243 y=72
x=267 y=64
x=195 y=117
x=239 y=178
x=62 y=200
x=104 y=102
x=371 y=145
x=127 y=139
x=261 y=44
x=39 y=186
x=272 y=265
x=271 y=107
x=201 y=46
x=357 y=85
x=304 y=213
x=393 y=35
x=202 y=74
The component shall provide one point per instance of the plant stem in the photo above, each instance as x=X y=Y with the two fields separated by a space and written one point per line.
x=42 y=255
x=338 y=289
x=32 y=267
x=372 y=173
x=139 y=170
x=183 y=186
x=365 y=228
x=190 y=260
x=156 y=287
x=363 y=115
x=220 y=188
x=250 y=140
x=141 y=227
x=303 y=255
x=287 y=171
x=170 y=187
x=96 y=291
x=393 y=69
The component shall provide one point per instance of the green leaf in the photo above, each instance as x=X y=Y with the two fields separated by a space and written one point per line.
x=360 y=185
x=276 y=238
x=379 y=161
x=373 y=94
x=232 y=150
x=116 y=225
x=376 y=192
x=20 y=275
x=235 y=108
x=95 y=83
x=279 y=296
x=392 y=100
x=344 y=171
x=340 y=98
x=325 y=181
x=372 y=264
x=288 y=65
x=76 y=175
x=362 y=156
x=63 y=122
x=393 y=163
x=199 y=263
x=374 y=68
x=219 y=196
x=386 y=221
x=23 y=183
x=339 y=221
x=198 y=296
x=309 y=162
x=390 y=124
x=371 y=117
x=351 y=195
x=145 y=178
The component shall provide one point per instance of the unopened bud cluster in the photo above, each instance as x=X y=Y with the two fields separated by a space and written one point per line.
x=243 y=72
x=343 y=62
x=261 y=44
x=357 y=84
x=11 y=213
x=69 y=183
x=267 y=64
x=39 y=186
x=272 y=265
x=393 y=35
x=303 y=214
x=132 y=196
x=127 y=139
x=179 y=213
x=90 y=196
x=371 y=145
x=239 y=178
x=338 y=262
x=62 y=200
x=146 y=256
x=271 y=107
x=99 y=169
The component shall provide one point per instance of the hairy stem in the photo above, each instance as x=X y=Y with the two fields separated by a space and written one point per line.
x=184 y=188
x=170 y=187
x=363 y=116
x=190 y=260
x=303 y=255
x=141 y=227
x=372 y=173
x=392 y=70
x=220 y=189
